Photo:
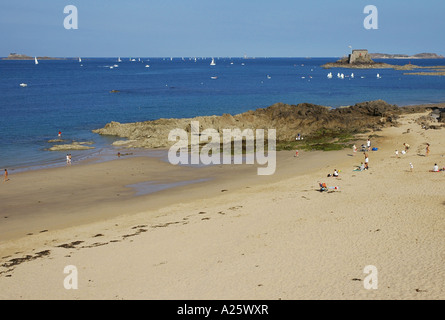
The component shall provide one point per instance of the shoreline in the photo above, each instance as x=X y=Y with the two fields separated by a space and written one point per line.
x=272 y=238
x=138 y=169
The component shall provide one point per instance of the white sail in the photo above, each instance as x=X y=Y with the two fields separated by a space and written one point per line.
x=80 y=60
x=35 y=60
x=213 y=62
x=119 y=59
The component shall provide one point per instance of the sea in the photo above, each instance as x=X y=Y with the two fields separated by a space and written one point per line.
x=76 y=96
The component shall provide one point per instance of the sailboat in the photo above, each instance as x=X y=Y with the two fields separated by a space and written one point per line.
x=378 y=76
x=352 y=75
x=119 y=59
x=330 y=75
x=213 y=62
x=80 y=60
x=35 y=60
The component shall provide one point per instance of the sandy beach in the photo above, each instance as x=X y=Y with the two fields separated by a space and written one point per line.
x=229 y=233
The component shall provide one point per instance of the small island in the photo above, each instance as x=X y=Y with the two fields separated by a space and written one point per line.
x=361 y=59
x=17 y=56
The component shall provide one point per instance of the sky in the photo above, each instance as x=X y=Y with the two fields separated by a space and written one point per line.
x=220 y=28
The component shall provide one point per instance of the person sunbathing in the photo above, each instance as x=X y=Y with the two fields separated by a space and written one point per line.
x=360 y=168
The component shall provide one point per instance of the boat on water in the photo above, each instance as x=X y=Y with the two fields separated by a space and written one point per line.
x=213 y=62
x=23 y=85
x=147 y=66
x=35 y=60
x=214 y=77
x=119 y=59
x=80 y=60
x=329 y=75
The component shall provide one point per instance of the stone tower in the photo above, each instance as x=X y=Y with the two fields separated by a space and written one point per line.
x=359 y=56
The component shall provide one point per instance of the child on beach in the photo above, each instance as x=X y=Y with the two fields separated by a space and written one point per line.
x=427 y=150
x=296 y=153
x=354 y=149
x=6 y=175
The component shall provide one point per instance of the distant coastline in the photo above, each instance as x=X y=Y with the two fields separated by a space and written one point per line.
x=405 y=56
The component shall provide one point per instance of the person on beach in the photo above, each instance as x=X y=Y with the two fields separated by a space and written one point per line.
x=406 y=146
x=6 y=175
x=397 y=154
x=435 y=168
x=69 y=156
x=296 y=153
x=427 y=150
x=60 y=133
x=411 y=167
x=368 y=144
x=366 y=158
x=354 y=149
x=67 y=159
x=118 y=154
x=335 y=173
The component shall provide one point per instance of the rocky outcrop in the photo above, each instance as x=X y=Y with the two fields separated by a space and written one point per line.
x=72 y=146
x=288 y=120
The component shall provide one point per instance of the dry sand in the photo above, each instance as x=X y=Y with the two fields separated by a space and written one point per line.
x=236 y=236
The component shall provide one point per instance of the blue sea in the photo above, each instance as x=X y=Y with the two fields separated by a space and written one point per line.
x=74 y=97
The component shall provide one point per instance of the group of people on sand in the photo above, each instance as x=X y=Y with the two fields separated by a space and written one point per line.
x=406 y=147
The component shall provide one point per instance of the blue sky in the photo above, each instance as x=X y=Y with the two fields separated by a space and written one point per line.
x=183 y=28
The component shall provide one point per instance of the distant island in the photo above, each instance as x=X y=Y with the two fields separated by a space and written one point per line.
x=361 y=59
x=16 y=56
x=405 y=56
